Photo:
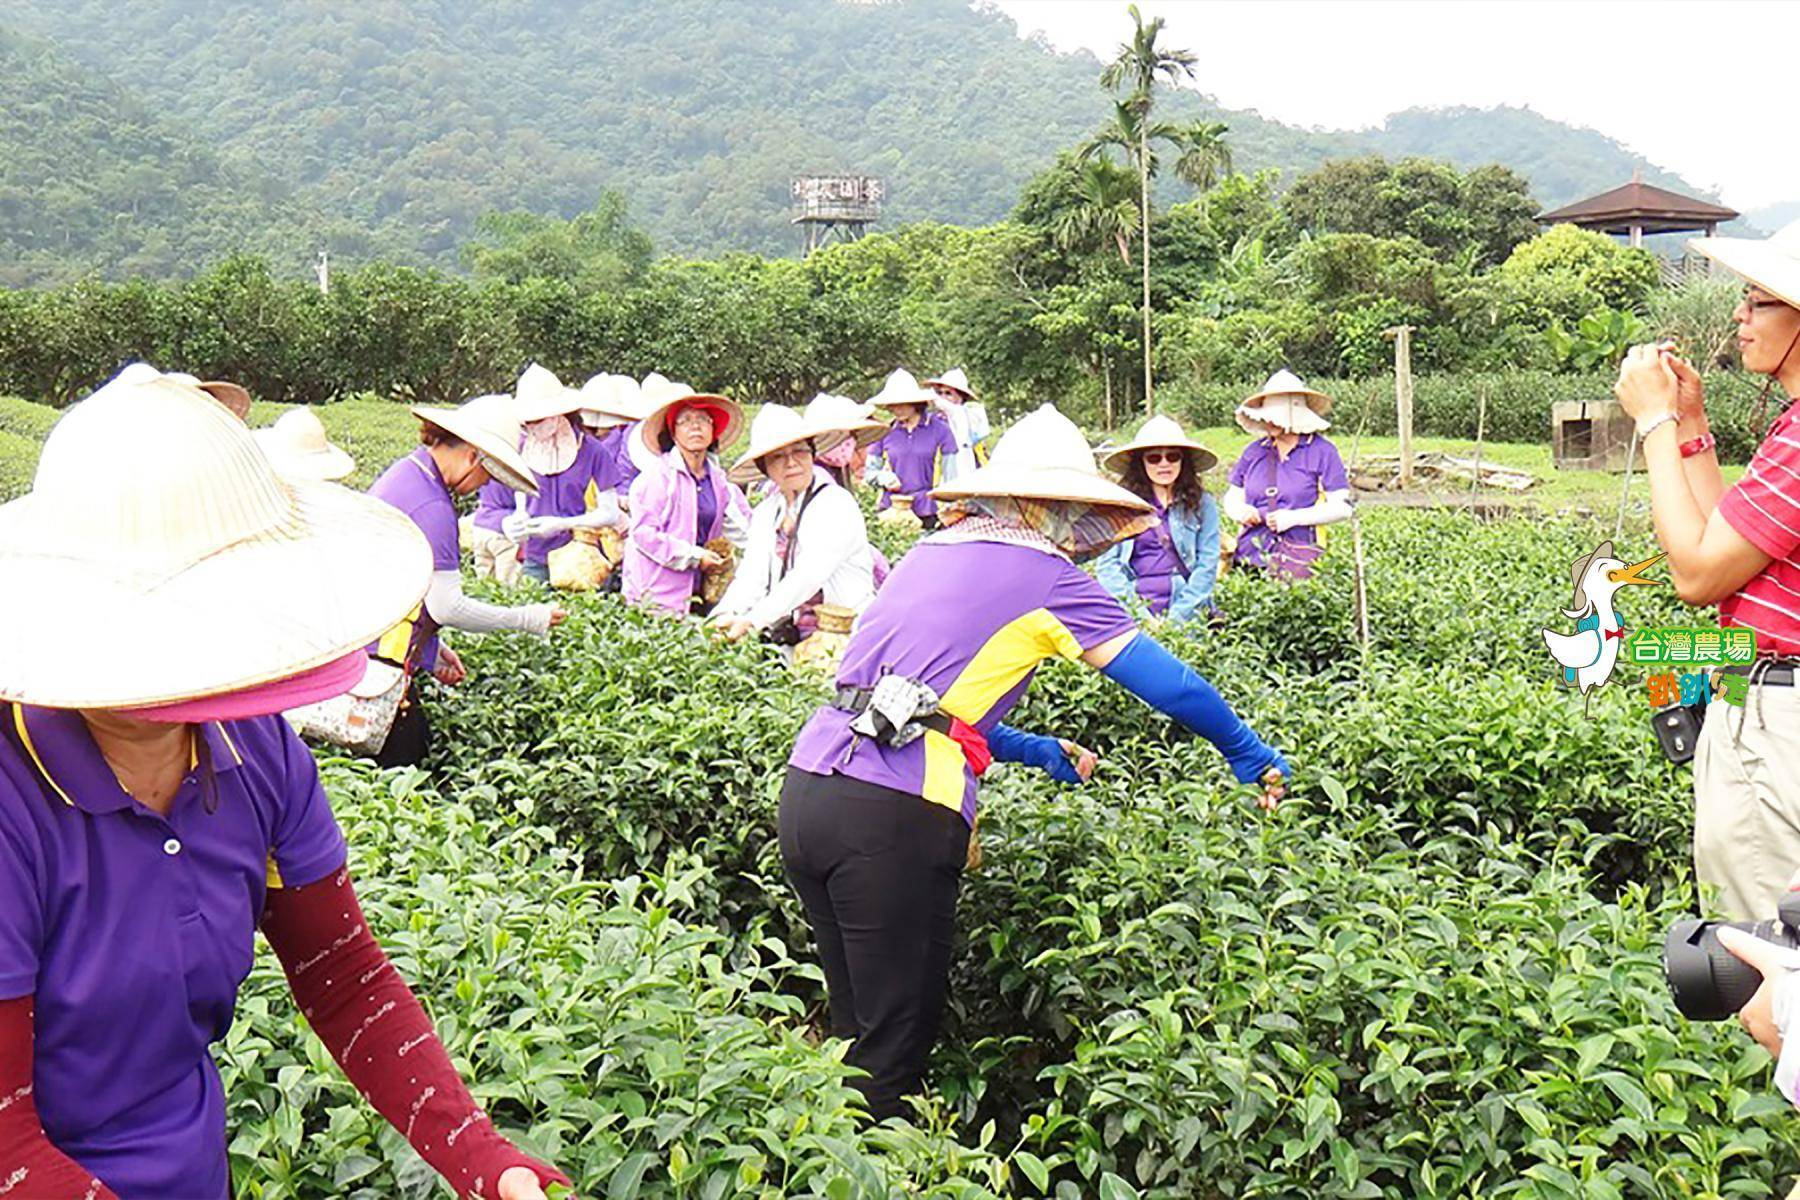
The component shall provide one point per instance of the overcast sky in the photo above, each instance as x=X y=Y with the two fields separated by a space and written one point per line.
x=1627 y=68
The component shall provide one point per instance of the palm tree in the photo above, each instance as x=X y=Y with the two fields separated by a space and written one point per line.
x=1200 y=150
x=1105 y=209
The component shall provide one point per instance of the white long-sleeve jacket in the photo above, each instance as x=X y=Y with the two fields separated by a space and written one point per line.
x=831 y=555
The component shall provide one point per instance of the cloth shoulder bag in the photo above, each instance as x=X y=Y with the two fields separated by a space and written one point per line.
x=361 y=719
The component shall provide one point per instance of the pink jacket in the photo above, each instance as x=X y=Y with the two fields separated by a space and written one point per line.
x=660 y=558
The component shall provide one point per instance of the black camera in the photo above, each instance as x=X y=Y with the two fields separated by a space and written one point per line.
x=1710 y=982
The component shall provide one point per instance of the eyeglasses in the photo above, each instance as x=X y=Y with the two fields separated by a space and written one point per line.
x=1756 y=303
x=693 y=416
x=1156 y=458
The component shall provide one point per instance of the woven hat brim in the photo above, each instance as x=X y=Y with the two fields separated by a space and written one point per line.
x=958 y=388
x=1205 y=459
x=81 y=633
x=1040 y=483
x=1319 y=402
x=749 y=457
x=1250 y=424
x=327 y=465
x=504 y=462
x=651 y=430
x=1758 y=262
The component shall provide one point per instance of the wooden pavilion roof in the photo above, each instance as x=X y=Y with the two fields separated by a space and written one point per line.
x=1637 y=203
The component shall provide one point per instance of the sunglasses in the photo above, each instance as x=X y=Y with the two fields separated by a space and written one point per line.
x=1157 y=458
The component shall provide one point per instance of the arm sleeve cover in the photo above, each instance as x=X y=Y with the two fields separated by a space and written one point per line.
x=379 y=1034
x=1170 y=686
x=1333 y=508
x=1033 y=749
x=1236 y=506
x=29 y=1164
x=449 y=607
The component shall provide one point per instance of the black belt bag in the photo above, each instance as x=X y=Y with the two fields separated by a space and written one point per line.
x=856 y=701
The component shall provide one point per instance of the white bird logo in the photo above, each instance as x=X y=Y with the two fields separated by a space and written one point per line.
x=1589 y=654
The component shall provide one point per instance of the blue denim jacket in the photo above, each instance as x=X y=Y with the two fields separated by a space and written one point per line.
x=1196 y=538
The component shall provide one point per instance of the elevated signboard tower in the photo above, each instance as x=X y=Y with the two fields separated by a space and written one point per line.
x=840 y=206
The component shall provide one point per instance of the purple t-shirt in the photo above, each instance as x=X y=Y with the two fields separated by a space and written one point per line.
x=566 y=494
x=912 y=454
x=135 y=930
x=617 y=442
x=1155 y=564
x=972 y=620
x=1313 y=468
x=493 y=504
x=414 y=486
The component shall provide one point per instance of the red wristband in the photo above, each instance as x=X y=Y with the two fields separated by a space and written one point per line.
x=1699 y=445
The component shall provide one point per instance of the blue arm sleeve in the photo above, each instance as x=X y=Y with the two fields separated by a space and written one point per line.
x=1170 y=686
x=1196 y=592
x=1007 y=744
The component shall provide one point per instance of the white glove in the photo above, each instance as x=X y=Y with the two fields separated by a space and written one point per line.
x=545 y=526
x=1277 y=520
x=887 y=480
x=516 y=526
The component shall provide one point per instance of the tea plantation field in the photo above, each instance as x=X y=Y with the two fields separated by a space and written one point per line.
x=1432 y=973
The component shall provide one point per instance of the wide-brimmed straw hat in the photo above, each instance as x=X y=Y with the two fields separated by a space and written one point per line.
x=956 y=379
x=901 y=388
x=1772 y=264
x=298 y=448
x=1286 y=403
x=201 y=573
x=233 y=396
x=833 y=418
x=663 y=396
x=776 y=426
x=540 y=395
x=607 y=401
x=491 y=425
x=1043 y=457
x=1162 y=433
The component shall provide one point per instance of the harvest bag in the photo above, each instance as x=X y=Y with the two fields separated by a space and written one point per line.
x=361 y=719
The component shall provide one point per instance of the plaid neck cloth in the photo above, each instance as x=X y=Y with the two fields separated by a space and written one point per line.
x=1062 y=527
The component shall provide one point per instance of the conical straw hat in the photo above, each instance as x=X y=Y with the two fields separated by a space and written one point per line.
x=956 y=379
x=606 y=401
x=660 y=396
x=298 y=448
x=776 y=426
x=489 y=424
x=1043 y=457
x=540 y=395
x=901 y=388
x=832 y=418
x=1286 y=403
x=160 y=558
x=1164 y=434
x=1772 y=264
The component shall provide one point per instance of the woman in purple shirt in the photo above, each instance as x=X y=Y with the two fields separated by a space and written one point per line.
x=879 y=803
x=573 y=471
x=1288 y=482
x=905 y=460
x=156 y=810
x=1170 y=569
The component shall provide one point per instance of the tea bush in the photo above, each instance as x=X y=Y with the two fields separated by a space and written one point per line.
x=644 y=1055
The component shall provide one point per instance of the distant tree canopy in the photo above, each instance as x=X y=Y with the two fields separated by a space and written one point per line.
x=156 y=137
x=598 y=250
x=1485 y=212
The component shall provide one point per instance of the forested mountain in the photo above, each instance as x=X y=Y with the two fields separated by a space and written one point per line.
x=390 y=126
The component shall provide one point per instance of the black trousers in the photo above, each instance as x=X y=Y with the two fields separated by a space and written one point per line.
x=878 y=871
x=410 y=737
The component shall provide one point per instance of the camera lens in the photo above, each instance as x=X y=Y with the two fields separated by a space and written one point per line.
x=1711 y=983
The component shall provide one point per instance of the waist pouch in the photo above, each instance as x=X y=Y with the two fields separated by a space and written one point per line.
x=875 y=711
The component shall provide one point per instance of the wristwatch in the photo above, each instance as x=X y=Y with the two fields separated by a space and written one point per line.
x=1699 y=445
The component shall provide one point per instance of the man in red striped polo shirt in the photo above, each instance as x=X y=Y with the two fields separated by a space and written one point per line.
x=1739 y=548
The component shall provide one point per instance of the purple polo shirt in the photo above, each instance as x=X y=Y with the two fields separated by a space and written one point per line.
x=1155 y=564
x=414 y=486
x=1313 y=468
x=912 y=454
x=972 y=620
x=565 y=494
x=617 y=442
x=134 y=932
x=493 y=504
